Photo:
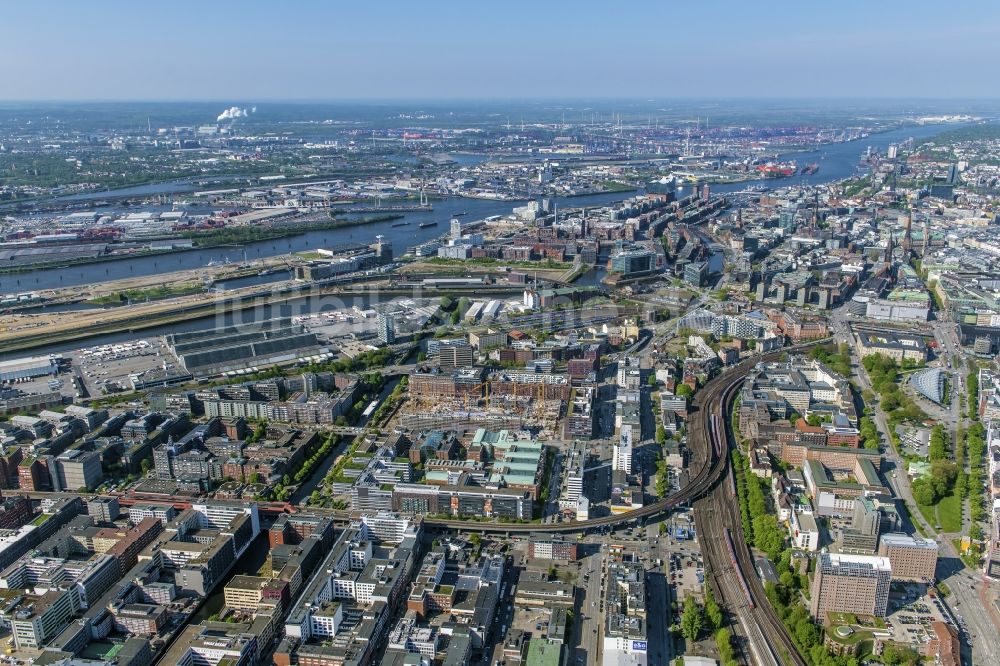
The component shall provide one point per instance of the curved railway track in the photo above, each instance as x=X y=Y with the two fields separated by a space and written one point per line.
x=727 y=554
x=744 y=593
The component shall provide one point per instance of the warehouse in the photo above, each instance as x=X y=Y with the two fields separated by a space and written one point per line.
x=26 y=368
x=246 y=346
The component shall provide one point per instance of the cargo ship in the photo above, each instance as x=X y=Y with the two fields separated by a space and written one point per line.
x=424 y=225
x=777 y=169
x=810 y=169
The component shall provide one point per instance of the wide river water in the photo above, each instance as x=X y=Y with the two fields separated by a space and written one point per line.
x=836 y=161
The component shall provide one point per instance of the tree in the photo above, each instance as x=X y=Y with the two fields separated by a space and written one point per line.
x=962 y=485
x=691 y=620
x=661 y=435
x=813 y=420
x=976 y=532
x=768 y=536
x=788 y=579
x=256 y=477
x=651 y=380
x=899 y=656
x=145 y=466
x=937 y=449
x=923 y=491
x=869 y=433
x=723 y=640
x=712 y=611
x=684 y=391
x=943 y=475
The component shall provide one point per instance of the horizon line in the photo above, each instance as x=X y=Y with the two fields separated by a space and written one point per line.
x=453 y=99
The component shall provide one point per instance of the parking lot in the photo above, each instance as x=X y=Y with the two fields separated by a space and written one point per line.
x=911 y=614
x=107 y=369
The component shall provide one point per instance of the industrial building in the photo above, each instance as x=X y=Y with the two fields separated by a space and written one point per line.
x=26 y=368
x=230 y=349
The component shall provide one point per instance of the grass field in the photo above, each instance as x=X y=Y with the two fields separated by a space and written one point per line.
x=947 y=513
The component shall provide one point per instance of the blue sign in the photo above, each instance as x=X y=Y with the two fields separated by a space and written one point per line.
x=638 y=646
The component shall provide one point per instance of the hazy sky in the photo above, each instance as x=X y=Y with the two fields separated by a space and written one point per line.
x=250 y=50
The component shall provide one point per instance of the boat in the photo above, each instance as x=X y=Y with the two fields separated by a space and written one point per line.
x=424 y=225
x=399 y=224
x=776 y=169
x=810 y=169
x=464 y=212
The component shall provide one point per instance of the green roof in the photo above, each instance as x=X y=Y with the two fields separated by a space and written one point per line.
x=543 y=652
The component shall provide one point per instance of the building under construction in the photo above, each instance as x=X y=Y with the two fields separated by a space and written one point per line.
x=466 y=399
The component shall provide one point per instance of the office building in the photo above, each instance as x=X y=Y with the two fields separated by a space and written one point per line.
x=78 y=470
x=103 y=509
x=625 y=621
x=912 y=558
x=454 y=354
x=856 y=584
x=553 y=547
x=696 y=273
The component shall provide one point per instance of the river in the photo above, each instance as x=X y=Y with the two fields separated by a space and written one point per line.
x=401 y=237
x=837 y=161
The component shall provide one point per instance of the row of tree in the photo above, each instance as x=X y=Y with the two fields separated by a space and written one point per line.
x=869 y=433
x=760 y=525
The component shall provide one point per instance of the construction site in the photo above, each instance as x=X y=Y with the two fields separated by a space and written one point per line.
x=502 y=401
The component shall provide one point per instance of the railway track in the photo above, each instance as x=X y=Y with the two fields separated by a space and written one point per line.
x=728 y=556
x=717 y=507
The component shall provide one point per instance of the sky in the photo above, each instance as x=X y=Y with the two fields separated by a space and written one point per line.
x=329 y=50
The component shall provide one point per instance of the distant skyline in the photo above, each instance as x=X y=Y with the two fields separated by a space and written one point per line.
x=311 y=50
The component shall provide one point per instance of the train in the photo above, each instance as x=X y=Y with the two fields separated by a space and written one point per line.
x=737 y=570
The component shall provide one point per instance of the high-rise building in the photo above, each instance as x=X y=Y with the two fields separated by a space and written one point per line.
x=912 y=558
x=622 y=459
x=856 y=584
x=575 y=471
x=456 y=228
x=862 y=535
x=386 y=329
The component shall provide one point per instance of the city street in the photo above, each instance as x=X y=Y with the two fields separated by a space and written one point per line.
x=971 y=593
